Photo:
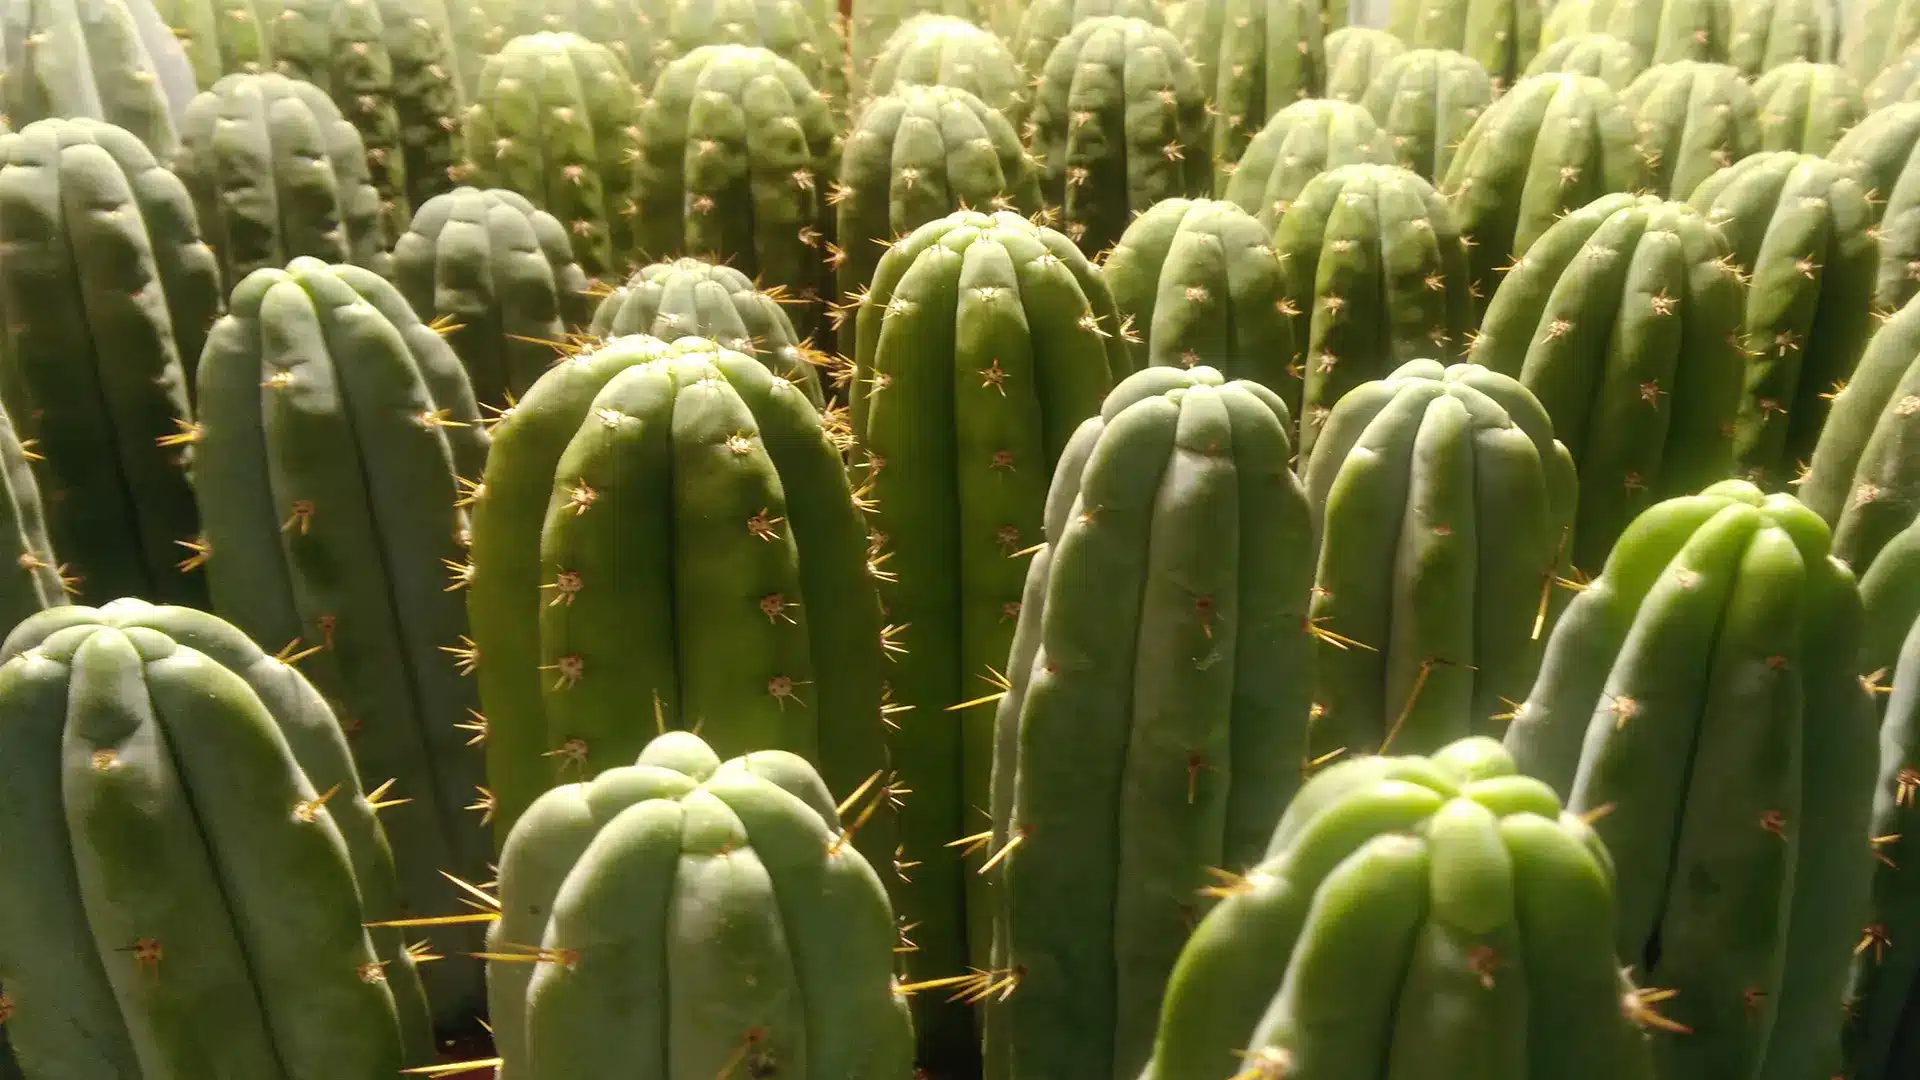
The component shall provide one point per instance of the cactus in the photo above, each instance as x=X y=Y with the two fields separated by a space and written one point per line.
x=1690 y=120
x=241 y=141
x=111 y=60
x=1802 y=231
x=1660 y=31
x=1302 y=141
x=1603 y=56
x=689 y=298
x=177 y=804
x=499 y=277
x=1450 y=618
x=107 y=291
x=554 y=119
x=1806 y=107
x=634 y=31
x=1198 y=282
x=32 y=579
x=1704 y=690
x=1552 y=144
x=1878 y=31
x=1771 y=33
x=219 y=37
x=982 y=343
x=1425 y=101
x=1355 y=57
x=916 y=154
x=332 y=425
x=704 y=913
x=1502 y=35
x=1253 y=59
x=1898 y=82
x=1624 y=321
x=940 y=50
x=1195 y=643
x=1376 y=276
x=1044 y=22
x=1448 y=905
x=1880 y=150
x=871 y=25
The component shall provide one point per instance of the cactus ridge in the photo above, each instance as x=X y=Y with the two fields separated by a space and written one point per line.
x=1501 y=35
x=1355 y=55
x=1690 y=120
x=1605 y=57
x=1044 y=22
x=1253 y=59
x=1806 y=107
x=1772 y=33
x=942 y=50
x=108 y=60
x=1302 y=141
x=1660 y=31
x=1879 y=149
x=1425 y=101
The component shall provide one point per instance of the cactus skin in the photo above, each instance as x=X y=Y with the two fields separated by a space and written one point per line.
x=1801 y=230
x=1302 y=141
x=346 y=547
x=1425 y=101
x=1355 y=56
x=786 y=28
x=689 y=298
x=1773 y=33
x=1501 y=35
x=1198 y=282
x=1253 y=58
x=502 y=275
x=177 y=800
x=1449 y=617
x=1603 y=56
x=1176 y=513
x=1552 y=144
x=219 y=36
x=1880 y=149
x=1043 y=23
x=1690 y=120
x=1719 y=624
x=1624 y=321
x=277 y=174
x=1661 y=31
x=1364 y=895
x=940 y=50
x=917 y=154
x=30 y=579
x=717 y=902
x=871 y=24
x=106 y=289
x=1806 y=107
x=1376 y=277
x=983 y=342
x=553 y=119
x=1879 y=31
x=1898 y=82
x=94 y=59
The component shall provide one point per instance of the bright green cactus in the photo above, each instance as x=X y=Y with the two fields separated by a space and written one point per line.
x=220 y=37
x=1877 y=33
x=634 y=31
x=1355 y=57
x=1882 y=149
x=1175 y=622
x=106 y=291
x=695 y=916
x=1690 y=120
x=803 y=32
x=941 y=50
x=1253 y=59
x=1771 y=33
x=1425 y=101
x=32 y=581
x=111 y=60
x=1806 y=107
x=276 y=173
x=1603 y=56
x=1044 y=22
x=1801 y=231
x=1302 y=141
x=1624 y=321
x=1501 y=35
x=190 y=861
x=1434 y=917
x=1898 y=82
x=1429 y=630
x=1660 y=31
x=871 y=25
x=1704 y=691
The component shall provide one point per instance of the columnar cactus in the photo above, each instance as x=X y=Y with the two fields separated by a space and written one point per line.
x=634 y=31
x=1882 y=149
x=1425 y=101
x=705 y=913
x=1355 y=56
x=798 y=31
x=30 y=579
x=1448 y=905
x=1624 y=321
x=1661 y=31
x=1806 y=107
x=1253 y=60
x=1899 y=81
x=1802 y=231
x=1770 y=33
x=276 y=173
x=1603 y=56
x=1879 y=31
x=1502 y=35
x=1302 y=141
x=1690 y=120
x=1376 y=276
x=498 y=277
x=1704 y=690
x=983 y=342
x=220 y=37
x=107 y=291
x=1044 y=22
x=1119 y=123
x=871 y=24
x=553 y=119
x=177 y=804
x=1864 y=478
x=111 y=60
x=1552 y=144
x=325 y=460
x=1152 y=621
x=1430 y=632
x=940 y=50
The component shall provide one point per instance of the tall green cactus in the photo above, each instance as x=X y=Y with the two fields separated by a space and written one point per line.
x=1253 y=59
x=1355 y=56
x=1882 y=150
x=190 y=861
x=1900 y=81
x=1441 y=504
x=30 y=578
x=941 y=50
x=1425 y=101
x=871 y=25
x=803 y=32
x=1044 y=22
x=1502 y=35
x=1661 y=31
x=1704 y=690
x=1802 y=231
x=1624 y=320
x=220 y=37
x=1878 y=31
x=1302 y=141
x=1603 y=56
x=276 y=173
x=1771 y=33
x=1806 y=107
x=1690 y=120
x=634 y=31
x=107 y=291
x=111 y=60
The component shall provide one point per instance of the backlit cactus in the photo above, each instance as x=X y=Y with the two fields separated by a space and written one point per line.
x=871 y=25
x=1044 y=22
x=941 y=50
x=1878 y=31
x=1772 y=33
x=1806 y=107
x=1501 y=35
x=111 y=60
x=1690 y=120
x=1660 y=31
x=1253 y=59
x=1603 y=56
x=1425 y=101
x=1355 y=56
x=1302 y=141
x=1882 y=149
x=1899 y=81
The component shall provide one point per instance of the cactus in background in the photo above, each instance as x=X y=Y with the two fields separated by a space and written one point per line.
x=1447 y=904
x=554 y=120
x=940 y=50
x=1801 y=230
x=332 y=427
x=1425 y=101
x=107 y=291
x=1661 y=31
x=497 y=277
x=1302 y=141
x=634 y=31
x=1449 y=606
x=1704 y=690
x=1772 y=33
x=1690 y=120
x=983 y=342
x=1501 y=35
x=1253 y=59
x=871 y=25
x=177 y=804
x=239 y=141
x=1878 y=31
x=30 y=579
x=219 y=37
x=1176 y=529
x=1882 y=149
x=1355 y=57
x=1624 y=321
x=1603 y=56
x=711 y=908
x=111 y=60
x=1899 y=81
x=802 y=32
x=1552 y=144
x=689 y=298
x=1044 y=22
x=1806 y=107
x=1376 y=276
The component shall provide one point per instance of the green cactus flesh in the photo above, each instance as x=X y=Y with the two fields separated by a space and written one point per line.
x=1880 y=150
x=1426 y=101
x=634 y=31
x=1806 y=107
x=1355 y=55
x=1044 y=22
x=34 y=579
x=1899 y=82
x=941 y=50
x=1660 y=31
x=787 y=28
x=1603 y=56
x=1501 y=35
x=1302 y=141
x=219 y=36
x=1879 y=31
x=1690 y=120
x=1253 y=59
x=1772 y=33
x=86 y=58
x=872 y=24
